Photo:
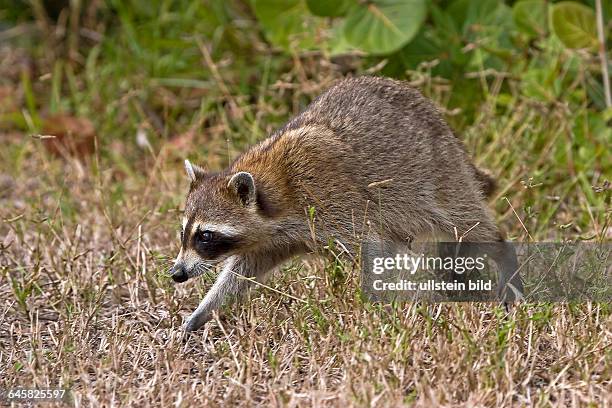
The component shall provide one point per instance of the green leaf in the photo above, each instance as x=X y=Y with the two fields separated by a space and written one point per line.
x=338 y=44
x=444 y=22
x=384 y=26
x=288 y=24
x=326 y=8
x=530 y=16
x=429 y=45
x=574 y=24
x=470 y=15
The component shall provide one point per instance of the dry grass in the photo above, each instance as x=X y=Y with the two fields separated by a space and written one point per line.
x=85 y=304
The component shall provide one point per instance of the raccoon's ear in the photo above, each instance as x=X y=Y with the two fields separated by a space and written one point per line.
x=243 y=185
x=194 y=172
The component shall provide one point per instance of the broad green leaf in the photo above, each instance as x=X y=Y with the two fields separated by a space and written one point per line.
x=444 y=22
x=338 y=44
x=287 y=23
x=327 y=8
x=531 y=17
x=384 y=26
x=574 y=24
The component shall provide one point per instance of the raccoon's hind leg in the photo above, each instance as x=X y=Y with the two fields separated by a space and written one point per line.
x=510 y=286
x=235 y=278
x=374 y=249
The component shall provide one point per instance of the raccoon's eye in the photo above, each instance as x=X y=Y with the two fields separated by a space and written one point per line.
x=205 y=236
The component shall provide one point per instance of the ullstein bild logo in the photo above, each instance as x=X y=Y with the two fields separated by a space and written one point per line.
x=441 y=272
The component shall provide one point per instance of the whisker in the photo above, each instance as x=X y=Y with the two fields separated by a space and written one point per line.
x=205 y=268
x=200 y=267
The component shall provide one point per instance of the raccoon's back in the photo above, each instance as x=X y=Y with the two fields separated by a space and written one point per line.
x=388 y=127
x=383 y=106
x=379 y=116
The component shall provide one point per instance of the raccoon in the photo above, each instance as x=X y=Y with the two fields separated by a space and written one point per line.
x=371 y=156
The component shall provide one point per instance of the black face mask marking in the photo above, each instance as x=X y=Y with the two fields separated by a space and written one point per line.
x=219 y=244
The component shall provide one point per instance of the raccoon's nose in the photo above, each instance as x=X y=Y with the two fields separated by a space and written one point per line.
x=179 y=273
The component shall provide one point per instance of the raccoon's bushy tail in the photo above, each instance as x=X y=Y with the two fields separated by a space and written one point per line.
x=487 y=182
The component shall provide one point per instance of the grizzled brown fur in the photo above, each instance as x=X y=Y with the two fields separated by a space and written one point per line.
x=332 y=157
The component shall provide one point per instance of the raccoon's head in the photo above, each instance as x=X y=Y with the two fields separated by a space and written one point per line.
x=222 y=218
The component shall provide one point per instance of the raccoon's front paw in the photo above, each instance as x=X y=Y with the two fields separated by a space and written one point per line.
x=190 y=326
x=193 y=323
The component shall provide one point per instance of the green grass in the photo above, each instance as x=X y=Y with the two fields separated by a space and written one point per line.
x=86 y=239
